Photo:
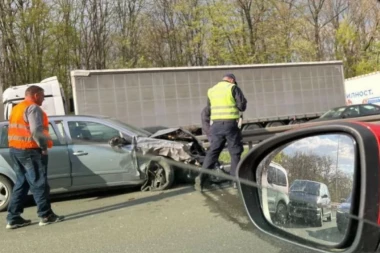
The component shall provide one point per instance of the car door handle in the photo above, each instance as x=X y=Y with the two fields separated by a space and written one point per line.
x=79 y=153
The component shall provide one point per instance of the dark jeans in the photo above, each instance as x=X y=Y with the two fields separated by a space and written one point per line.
x=30 y=167
x=222 y=132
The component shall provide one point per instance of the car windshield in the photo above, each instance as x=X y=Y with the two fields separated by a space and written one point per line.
x=308 y=187
x=333 y=113
x=133 y=129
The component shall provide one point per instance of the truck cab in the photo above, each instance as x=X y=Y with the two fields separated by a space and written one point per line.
x=54 y=103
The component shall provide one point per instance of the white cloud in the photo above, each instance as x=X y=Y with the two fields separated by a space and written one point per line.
x=327 y=145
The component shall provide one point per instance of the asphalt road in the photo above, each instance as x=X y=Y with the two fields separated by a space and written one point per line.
x=328 y=234
x=178 y=220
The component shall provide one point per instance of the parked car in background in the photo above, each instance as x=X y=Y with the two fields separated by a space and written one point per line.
x=310 y=201
x=351 y=111
x=94 y=152
x=342 y=215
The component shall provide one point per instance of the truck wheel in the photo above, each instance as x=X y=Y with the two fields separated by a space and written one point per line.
x=330 y=217
x=297 y=121
x=274 y=124
x=250 y=127
x=5 y=193
x=161 y=174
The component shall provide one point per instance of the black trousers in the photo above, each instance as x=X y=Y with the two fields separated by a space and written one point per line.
x=222 y=132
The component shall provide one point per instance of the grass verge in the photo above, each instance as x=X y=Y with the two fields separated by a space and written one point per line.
x=226 y=158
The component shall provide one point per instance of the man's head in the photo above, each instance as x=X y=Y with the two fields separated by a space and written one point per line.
x=35 y=94
x=229 y=78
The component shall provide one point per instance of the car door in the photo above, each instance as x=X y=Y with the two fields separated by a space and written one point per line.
x=324 y=199
x=94 y=161
x=58 y=165
x=328 y=208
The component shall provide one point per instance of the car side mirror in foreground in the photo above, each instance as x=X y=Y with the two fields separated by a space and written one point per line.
x=342 y=157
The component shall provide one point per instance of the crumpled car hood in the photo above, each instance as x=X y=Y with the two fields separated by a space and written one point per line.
x=190 y=144
x=176 y=150
x=174 y=143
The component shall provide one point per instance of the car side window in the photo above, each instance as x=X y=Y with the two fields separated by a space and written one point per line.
x=369 y=109
x=54 y=136
x=327 y=191
x=4 y=137
x=271 y=175
x=352 y=111
x=60 y=128
x=281 y=178
x=323 y=190
x=91 y=131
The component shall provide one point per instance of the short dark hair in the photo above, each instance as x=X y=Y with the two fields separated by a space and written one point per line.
x=232 y=76
x=32 y=90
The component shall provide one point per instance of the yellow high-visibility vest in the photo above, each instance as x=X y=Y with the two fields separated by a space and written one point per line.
x=223 y=104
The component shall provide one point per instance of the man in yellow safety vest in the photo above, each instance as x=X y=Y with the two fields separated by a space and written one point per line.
x=226 y=101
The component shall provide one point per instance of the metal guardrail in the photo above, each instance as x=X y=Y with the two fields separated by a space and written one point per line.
x=255 y=136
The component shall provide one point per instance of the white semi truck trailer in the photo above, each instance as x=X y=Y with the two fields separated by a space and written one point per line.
x=277 y=94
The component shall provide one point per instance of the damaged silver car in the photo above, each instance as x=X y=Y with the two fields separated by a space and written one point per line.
x=92 y=152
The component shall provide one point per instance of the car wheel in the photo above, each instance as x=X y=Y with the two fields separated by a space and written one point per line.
x=341 y=229
x=330 y=217
x=161 y=174
x=281 y=213
x=5 y=193
x=319 y=222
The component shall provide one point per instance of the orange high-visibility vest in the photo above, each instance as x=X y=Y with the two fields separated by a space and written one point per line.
x=19 y=135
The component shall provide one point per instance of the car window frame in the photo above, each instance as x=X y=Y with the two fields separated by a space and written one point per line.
x=271 y=170
x=73 y=141
x=61 y=141
x=344 y=113
x=278 y=172
x=1 y=136
x=376 y=111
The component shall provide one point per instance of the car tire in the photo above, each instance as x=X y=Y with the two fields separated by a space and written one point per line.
x=161 y=173
x=319 y=222
x=281 y=213
x=5 y=193
x=330 y=217
x=341 y=229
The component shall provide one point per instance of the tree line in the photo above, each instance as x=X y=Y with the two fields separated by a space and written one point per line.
x=308 y=166
x=43 y=38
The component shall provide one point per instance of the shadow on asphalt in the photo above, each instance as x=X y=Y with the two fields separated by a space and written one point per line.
x=129 y=203
x=95 y=194
x=231 y=208
x=328 y=234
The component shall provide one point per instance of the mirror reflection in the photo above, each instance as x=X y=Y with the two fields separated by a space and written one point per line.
x=306 y=187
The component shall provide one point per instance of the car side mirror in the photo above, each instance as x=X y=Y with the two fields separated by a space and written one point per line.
x=118 y=141
x=344 y=157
